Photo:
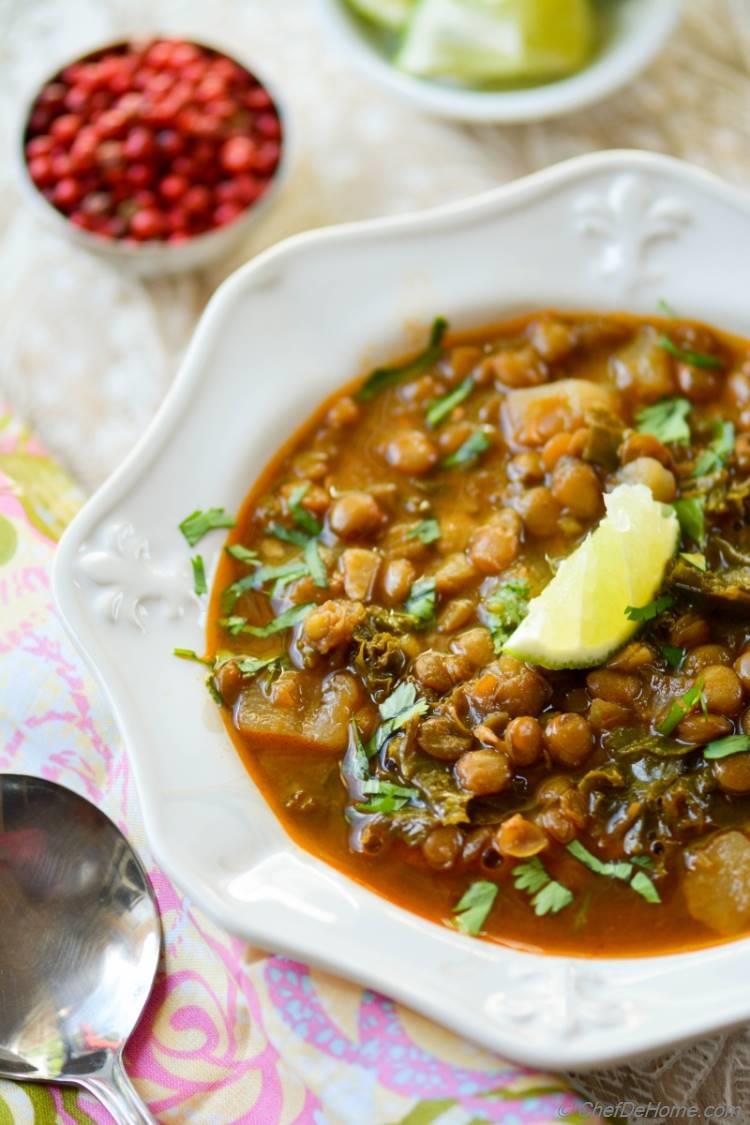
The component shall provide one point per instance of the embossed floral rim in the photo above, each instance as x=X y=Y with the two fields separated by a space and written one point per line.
x=612 y=230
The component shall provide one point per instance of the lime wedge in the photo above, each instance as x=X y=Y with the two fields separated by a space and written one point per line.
x=579 y=618
x=480 y=41
x=391 y=14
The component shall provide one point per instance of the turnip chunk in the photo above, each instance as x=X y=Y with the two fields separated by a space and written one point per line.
x=320 y=716
x=717 y=883
x=532 y=415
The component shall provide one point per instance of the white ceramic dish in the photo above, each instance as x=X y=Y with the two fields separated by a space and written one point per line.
x=152 y=259
x=639 y=30
x=610 y=231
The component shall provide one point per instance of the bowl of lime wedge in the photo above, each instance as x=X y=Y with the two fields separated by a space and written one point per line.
x=502 y=60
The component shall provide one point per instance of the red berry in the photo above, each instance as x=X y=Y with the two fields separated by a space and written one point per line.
x=40 y=170
x=65 y=127
x=109 y=154
x=139 y=175
x=147 y=224
x=39 y=146
x=268 y=125
x=77 y=99
x=267 y=157
x=67 y=193
x=169 y=142
x=159 y=54
x=139 y=143
x=184 y=53
x=112 y=124
x=258 y=98
x=226 y=213
x=52 y=95
x=60 y=165
x=173 y=187
x=248 y=189
x=238 y=154
x=39 y=120
x=178 y=236
x=197 y=199
x=96 y=203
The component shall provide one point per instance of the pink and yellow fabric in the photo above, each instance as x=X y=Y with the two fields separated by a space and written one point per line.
x=229 y=1037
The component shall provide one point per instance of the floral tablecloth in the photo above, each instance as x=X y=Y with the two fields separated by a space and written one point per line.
x=229 y=1035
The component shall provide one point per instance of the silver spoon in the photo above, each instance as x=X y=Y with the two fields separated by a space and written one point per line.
x=79 y=944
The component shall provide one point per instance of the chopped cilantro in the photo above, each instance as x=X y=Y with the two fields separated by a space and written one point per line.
x=610 y=868
x=421 y=601
x=191 y=654
x=360 y=765
x=687 y=355
x=199 y=575
x=651 y=610
x=250 y=666
x=439 y=409
x=234 y=624
x=643 y=886
x=696 y=560
x=505 y=609
x=397 y=711
x=666 y=419
x=472 y=909
x=474 y=446
x=681 y=707
x=288 y=534
x=304 y=519
x=285 y=620
x=243 y=554
x=724 y=747
x=547 y=895
x=428 y=531
x=199 y=523
x=718 y=451
x=282 y=576
x=315 y=564
x=383 y=377
x=673 y=655
x=692 y=516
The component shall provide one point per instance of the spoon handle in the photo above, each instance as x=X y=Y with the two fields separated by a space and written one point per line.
x=112 y=1087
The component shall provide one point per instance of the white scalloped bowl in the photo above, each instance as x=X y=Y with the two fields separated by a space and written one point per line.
x=610 y=231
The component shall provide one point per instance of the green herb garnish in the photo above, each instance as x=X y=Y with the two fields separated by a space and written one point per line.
x=505 y=609
x=682 y=707
x=397 y=711
x=691 y=512
x=250 y=666
x=198 y=523
x=428 y=531
x=719 y=450
x=472 y=909
x=474 y=446
x=687 y=355
x=191 y=654
x=384 y=377
x=642 y=885
x=547 y=895
x=285 y=620
x=304 y=519
x=651 y=610
x=724 y=747
x=439 y=409
x=422 y=601
x=199 y=575
x=315 y=564
x=666 y=419
x=616 y=869
x=696 y=560
x=288 y=534
x=243 y=554
x=673 y=655
x=385 y=796
x=611 y=868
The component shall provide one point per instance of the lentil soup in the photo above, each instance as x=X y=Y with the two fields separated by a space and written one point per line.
x=380 y=566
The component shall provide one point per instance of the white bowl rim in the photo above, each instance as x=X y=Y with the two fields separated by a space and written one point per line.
x=583 y=1044
x=601 y=77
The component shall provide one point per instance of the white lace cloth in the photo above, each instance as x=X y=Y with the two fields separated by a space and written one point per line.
x=86 y=355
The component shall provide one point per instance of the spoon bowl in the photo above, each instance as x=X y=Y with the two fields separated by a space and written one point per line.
x=79 y=943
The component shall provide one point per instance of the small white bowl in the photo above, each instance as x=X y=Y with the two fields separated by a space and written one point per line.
x=638 y=31
x=150 y=259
